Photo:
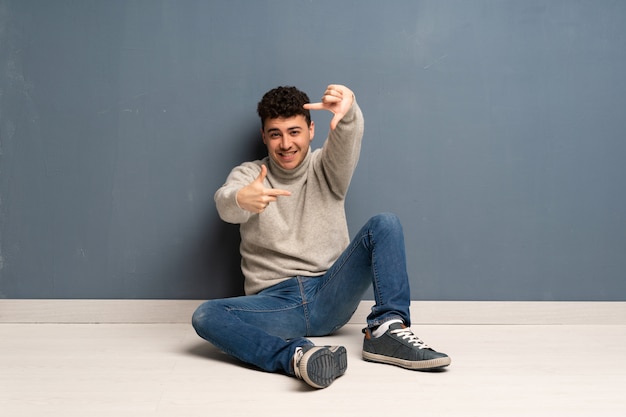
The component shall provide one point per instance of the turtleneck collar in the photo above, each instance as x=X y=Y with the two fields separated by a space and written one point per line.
x=290 y=175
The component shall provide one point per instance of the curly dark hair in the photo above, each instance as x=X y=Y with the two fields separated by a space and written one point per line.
x=285 y=101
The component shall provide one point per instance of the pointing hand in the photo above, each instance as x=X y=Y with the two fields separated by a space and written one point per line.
x=255 y=197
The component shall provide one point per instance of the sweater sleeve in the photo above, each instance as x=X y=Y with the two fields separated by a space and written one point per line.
x=340 y=153
x=226 y=196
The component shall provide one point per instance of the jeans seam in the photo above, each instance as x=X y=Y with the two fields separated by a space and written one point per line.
x=305 y=306
x=376 y=282
x=336 y=270
x=256 y=310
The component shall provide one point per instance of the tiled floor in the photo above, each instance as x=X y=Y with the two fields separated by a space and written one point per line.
x=166 y=370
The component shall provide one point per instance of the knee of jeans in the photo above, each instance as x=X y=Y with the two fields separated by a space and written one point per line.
x=202 y=316
x=386 y=221
x=197 y=318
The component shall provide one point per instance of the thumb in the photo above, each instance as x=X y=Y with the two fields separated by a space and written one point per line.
x=262 y=174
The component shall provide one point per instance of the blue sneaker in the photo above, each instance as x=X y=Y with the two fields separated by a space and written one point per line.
x=319 y=366
x=399 y=346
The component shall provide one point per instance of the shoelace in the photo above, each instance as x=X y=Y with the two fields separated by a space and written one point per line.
x=296 y=359
x=408 y=335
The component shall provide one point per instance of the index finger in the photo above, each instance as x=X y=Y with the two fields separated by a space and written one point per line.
x=275 y=192
x=314 y=106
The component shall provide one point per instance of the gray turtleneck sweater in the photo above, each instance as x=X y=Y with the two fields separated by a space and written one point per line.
x=304 y=233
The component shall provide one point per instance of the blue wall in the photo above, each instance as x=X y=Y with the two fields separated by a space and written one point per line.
x=496 y=130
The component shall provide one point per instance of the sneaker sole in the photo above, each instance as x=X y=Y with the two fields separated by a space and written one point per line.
x=415 y=365
x=322 y=365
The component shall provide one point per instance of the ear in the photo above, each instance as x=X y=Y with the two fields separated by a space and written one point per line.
x=263 y=136
x=312 y=130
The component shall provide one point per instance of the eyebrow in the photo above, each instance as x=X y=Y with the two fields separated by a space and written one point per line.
x=275 y=129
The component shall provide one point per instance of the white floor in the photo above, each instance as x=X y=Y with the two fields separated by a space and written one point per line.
x=166 y=370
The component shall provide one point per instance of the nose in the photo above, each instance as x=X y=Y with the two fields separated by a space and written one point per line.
x=285 y=142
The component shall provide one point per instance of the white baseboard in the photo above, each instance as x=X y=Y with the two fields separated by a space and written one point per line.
x=97 y=311
x=511 y=312
x=422 y=312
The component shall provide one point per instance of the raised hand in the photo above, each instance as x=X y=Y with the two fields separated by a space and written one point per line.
x=255 y=197
x=337 y=99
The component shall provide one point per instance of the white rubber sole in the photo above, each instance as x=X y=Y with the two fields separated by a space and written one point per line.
x=415 y=365
x=321 y=365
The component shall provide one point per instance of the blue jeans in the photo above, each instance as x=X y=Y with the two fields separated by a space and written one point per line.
x=264 y=329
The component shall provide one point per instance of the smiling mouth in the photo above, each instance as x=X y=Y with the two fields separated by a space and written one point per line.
x=287 y=155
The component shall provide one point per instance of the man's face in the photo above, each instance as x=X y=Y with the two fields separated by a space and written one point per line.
x=287 y=140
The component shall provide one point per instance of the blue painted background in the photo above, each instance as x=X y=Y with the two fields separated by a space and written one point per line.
x=496 y=130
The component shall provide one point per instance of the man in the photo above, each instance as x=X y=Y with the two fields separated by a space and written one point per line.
x=303 y=276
